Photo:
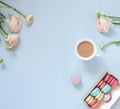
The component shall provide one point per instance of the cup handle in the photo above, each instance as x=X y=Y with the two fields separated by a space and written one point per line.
x=97 y=54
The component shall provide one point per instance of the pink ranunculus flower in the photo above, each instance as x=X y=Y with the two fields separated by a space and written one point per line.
x=11 y=40
x=103 y=24
x=14 y=23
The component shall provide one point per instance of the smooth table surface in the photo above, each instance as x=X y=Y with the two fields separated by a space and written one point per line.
x=37 y=74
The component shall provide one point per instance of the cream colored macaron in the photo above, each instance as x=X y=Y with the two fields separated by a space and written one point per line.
x=89 y=99
x=99 y=96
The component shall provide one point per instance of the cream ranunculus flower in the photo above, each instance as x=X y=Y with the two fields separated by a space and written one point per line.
x=103 y=24
x=14 y=23
x=11 y=40
x=29 y=19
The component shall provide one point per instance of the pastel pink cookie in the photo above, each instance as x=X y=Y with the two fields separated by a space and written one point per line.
x=110 y=79
x=107 y=97
x=95 y=105
x=106 y=77
x=101 y=84
x=114 y=82
x=93 y=102
x=75 y=80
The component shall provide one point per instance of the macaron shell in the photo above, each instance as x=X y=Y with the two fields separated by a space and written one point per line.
x=88 y=98
x=95 y=105
x=95 y=92
x=99 y=84
x=106 y=77
x=114 y=83
x=99 y=96
x=114 y=77
x=110 y=79
x=106 y=88
x=102 y=85
x=93 y=102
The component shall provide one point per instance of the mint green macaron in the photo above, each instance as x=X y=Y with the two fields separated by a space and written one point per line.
x=95 y=92
x=106 y=88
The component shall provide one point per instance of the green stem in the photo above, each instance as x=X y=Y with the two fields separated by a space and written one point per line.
x=4 y=7
x=109 y=43
x=3 y=32
x=1 y=59
x=113 y=42
x=2 y=15
x=117 y=23
x=1 y=21
x=113 y=17
x=14 y=9
x=1 y=18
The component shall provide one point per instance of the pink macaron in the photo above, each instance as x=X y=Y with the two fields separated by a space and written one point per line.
x=110 y=79
x=114 y=82
x=106 y=77
x=75 y=80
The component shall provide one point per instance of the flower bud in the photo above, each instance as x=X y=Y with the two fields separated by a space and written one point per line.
x=11 y=40
x=14 y=23
x=102 y=45
x=29 y=19
x=1 y=60
x=103 y=24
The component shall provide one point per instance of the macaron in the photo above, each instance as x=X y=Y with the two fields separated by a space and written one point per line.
x=99 y=96
x=88 y=101
x=110 y=79
x=88 y=98
x=106 y=88
x=94 y=106
x=95 y=92
x=93 y=102
x=107 y=97
x=114 y=77
x=106 y=77
x=114 y=82
x=75 y=80
x=99 y=84
x=102 y=85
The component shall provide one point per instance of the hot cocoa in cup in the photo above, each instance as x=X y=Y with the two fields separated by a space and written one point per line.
x=85 y=49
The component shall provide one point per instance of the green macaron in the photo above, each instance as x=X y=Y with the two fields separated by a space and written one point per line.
x=95 y=92
x=106 y=88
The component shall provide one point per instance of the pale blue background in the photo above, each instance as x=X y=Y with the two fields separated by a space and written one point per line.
x=37 y=74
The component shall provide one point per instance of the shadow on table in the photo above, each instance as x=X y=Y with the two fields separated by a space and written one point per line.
x=3 y=66
x=80 y=86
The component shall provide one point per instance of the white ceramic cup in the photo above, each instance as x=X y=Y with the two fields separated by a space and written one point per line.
x=95 y=53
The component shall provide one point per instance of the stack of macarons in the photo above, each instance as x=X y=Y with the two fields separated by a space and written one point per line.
x=103 y=87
